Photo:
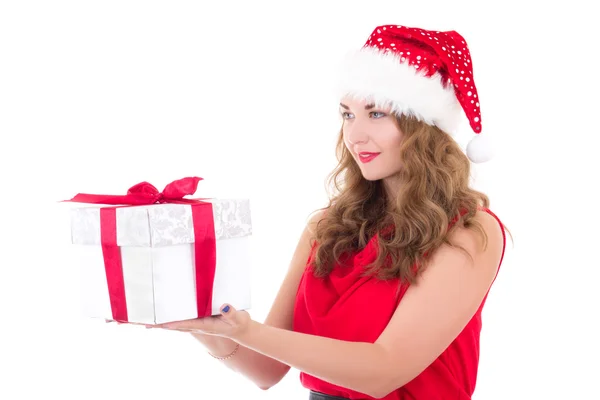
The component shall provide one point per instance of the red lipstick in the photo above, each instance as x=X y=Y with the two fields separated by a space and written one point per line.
x=366 y=157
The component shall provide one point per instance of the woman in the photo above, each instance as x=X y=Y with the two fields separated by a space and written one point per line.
x=384 y=293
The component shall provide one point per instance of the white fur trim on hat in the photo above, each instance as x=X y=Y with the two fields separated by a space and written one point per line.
x=385 y=80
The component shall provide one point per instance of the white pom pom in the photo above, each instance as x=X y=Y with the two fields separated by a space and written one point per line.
x=480 y=149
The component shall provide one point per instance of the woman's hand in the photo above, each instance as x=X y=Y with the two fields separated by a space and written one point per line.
x=230 y=323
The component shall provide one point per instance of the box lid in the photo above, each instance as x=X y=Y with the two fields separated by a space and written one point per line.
x=161 y=224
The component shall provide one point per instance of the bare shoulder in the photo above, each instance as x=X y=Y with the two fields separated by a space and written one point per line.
x=472 y=241
x=306 y=241
x=314 y=220
x=490 y=224
x=317 y=216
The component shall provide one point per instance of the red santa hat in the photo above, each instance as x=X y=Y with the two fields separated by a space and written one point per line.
x=426 y=74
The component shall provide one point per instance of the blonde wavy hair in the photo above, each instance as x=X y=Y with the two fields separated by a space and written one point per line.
x=435 y=188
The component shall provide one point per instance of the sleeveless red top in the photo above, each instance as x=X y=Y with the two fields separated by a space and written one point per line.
x=346 y=306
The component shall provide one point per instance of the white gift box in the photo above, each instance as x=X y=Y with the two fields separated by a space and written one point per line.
x=157 y=255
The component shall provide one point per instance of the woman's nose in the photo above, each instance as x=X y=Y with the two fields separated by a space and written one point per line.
x=356 y=134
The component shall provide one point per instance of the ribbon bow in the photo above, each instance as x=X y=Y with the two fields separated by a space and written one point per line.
x=145 y=193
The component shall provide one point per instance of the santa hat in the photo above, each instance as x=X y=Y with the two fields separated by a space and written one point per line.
x=426 y=74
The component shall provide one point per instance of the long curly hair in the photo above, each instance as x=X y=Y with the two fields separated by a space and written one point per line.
x=435 y=189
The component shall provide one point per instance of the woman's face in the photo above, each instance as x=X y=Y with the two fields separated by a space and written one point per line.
x=372 y=137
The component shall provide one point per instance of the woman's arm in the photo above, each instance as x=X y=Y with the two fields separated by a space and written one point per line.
x=261 y=369
x=430 y=316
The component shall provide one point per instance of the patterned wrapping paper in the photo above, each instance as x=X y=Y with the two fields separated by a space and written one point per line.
x=161 y=224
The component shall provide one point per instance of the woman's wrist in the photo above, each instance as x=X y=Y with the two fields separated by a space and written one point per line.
x=226 y=356
x=217 y=346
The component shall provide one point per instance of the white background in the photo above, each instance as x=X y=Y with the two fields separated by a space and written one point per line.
x=96 y=96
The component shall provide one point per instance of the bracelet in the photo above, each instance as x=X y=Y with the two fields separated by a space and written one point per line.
x=237 y=346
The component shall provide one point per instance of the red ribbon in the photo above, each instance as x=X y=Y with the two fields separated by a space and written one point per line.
x=145 y=194
x=205 y=251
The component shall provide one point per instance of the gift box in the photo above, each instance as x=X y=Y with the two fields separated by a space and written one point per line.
x=153 y=257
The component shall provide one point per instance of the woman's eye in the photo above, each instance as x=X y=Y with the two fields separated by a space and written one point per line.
x=346 y=115
x=377 y=114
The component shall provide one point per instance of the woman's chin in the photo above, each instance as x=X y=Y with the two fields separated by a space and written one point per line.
x=370 y=176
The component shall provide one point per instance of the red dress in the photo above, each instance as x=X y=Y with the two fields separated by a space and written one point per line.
x=348 y=307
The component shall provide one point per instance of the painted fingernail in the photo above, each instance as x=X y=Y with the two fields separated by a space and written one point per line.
x=226 y=309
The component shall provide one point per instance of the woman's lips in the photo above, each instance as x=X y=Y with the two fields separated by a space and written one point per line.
x=366 y=157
